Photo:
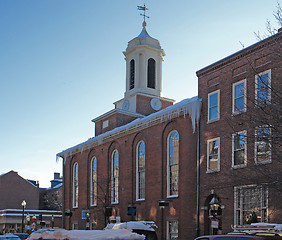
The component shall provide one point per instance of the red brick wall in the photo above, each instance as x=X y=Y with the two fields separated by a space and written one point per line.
x=155 y=139
x=22 y=190
x=221 y=75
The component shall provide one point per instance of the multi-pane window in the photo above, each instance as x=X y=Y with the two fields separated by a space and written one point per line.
x=93 y=182
x=115 y=176
x=140 y=171
x=251 y=203
x=172 y=229
x=239 y=98
x=75 y=185
x=151 y=74
x=132 y=74
x=213 y=154
x=173 y=164
x=263 y=87
x=262 y=145
x=239 y=156
x=213 y=108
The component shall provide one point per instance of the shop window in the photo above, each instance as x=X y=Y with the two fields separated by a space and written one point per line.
x=251 y=204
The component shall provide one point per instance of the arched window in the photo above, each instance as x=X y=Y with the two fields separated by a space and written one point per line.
x=151 y=74
x=115 y=176
x=140 y=171
x=93 y=182
x=75 y=185
x=132 y=74
x=173 y=163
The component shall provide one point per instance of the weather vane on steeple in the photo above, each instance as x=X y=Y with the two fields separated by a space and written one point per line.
x=143 y=8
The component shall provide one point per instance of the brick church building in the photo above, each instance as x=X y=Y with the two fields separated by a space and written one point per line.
x=192 y=167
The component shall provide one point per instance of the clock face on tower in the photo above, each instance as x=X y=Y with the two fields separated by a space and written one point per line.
x=125 y=105
x=156 y=104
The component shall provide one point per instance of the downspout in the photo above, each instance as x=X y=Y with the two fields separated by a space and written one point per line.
x=63 y=203
x=198 y=182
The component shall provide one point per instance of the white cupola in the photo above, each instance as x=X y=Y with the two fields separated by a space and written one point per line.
x=144 y=57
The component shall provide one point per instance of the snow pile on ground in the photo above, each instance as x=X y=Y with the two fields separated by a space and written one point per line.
x=108 y=234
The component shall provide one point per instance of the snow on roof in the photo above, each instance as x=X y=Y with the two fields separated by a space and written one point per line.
x=191 y=106
x=56 y=186
x=117 y=234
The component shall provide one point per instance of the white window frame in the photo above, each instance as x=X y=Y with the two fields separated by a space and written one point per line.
x=93 y=183
x=269 y=160
x=114 y=188
x=75 y=186
x=208 y=155
x=245 y=149
x=234 y=111
x=269 y=86
x=139 y=181
x=218 y=106
x=168 y=230
x=168 y=165
x=239 y=206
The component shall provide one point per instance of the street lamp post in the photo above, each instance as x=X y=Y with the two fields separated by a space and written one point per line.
x=23 y=206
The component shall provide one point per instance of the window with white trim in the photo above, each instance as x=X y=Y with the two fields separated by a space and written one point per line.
x=262 y=145
x=250 y=205
x=115 y=176
x=239 y=97
x=239 y=148
x=263 y=87
x=213 y=106
x=172 y=229
x=172 y=163
x=140 y=171
x=213 y=155
x=75 y=185
x=93 y=182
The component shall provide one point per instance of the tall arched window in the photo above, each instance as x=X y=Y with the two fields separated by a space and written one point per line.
x=173 y=164
x=151 y=74
x=115 y=176
x=132 y=74
x=75 y=185
x=140 y=171
x=93 y=182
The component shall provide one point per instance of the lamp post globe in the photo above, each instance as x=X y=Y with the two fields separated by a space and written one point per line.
x=23 y=207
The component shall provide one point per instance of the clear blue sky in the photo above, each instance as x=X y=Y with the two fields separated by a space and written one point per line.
x=61 y=64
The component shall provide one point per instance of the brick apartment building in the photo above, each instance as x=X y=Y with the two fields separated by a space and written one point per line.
x=148 y=161
x=240 y=146
x=14 y=191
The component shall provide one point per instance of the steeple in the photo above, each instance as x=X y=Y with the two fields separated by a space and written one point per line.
x=144 y=57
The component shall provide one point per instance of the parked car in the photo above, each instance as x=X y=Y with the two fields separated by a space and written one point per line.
x=9 y=236
x=22 y=236
x=239 y=237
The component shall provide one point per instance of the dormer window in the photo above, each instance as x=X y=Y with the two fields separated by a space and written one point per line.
x=151 y=73
x=132 y=74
